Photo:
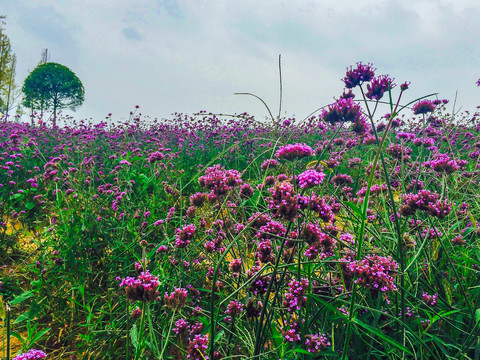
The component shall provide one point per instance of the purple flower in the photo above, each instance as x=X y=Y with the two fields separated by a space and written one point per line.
x=143 y=288
x=31 y=355
x=184 y=236
x=181 y=327
x=155 y=156
x=310 y=178
x=294 y=151
x=234 y=308
x=343 y=110
x=295 y=297
x=219 y=180
x=378 y=87
x=404 y=86
x=176 y=300
x=316 y=343
x=284 y=201
x=478 y=82
x=197 y=347
x=376 y=273
x=430 y=300
x=363 y=73
x=269 y=164
x=423 y=107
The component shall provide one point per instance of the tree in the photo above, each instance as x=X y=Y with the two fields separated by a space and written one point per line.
x=52 y=86
x=7 y=70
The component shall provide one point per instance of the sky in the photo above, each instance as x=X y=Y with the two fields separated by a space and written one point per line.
x=184 y=56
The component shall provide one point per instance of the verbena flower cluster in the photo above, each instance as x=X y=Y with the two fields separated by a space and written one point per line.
x=142 y=288
x=31 y=355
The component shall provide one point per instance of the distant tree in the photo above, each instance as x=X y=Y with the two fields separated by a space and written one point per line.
x=7 y=70
x=52 y=86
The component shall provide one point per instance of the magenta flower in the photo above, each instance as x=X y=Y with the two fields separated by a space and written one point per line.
x=234 y=308
x=283 y=202
x=143 y=288
x=295 y=297
x=404 y=86
x=31 y=355
x=269 y=164
x=423 y=107
x=316 y=343
x=197 y=347
x=343 y=110
x=176 y=300
x=310 y=178
x=478 y=82
x=181 y=327
x=378 y=87
x=430 y=300
x=376 y=273
x=363 y=73
x=184 y=236
x=294 y=151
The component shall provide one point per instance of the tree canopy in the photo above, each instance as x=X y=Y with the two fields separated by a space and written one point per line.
x=7 y=69
x=52 y=86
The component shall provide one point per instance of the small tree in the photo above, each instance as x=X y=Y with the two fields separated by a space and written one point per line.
x=7 y=71
x=52 y=86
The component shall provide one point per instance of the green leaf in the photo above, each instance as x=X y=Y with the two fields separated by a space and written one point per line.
x=2 y=308
x=381 y=335
x=302 y=351
x=37 y=337
x=22 y=317
x=22 y=297
x=134 y=336
x=219 y=335
x=19 y=337
x=29 y=205
x=477 y=315
x=30 y=314
x=355 y=209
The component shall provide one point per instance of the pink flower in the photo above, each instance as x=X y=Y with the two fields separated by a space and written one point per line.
x=294 y=151
x=176 y=300
x=423 y=107
x=355 y=77
x=31 y=355
x=143 y=288
x=310 y=178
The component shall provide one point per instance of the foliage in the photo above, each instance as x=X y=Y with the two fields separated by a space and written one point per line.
x=7 y=71
x=54 y=86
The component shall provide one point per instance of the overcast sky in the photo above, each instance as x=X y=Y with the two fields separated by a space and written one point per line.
x=188 y=55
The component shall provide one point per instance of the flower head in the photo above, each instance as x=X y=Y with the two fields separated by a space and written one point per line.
x=176 y=300
x=294 y=151
x=404 y=86
x=363 y=73
x=423 y=107
x=378 y=87
x=143 y=288
x=316 y=343
x=31 y=355
x=310 y=178
x=343 y=110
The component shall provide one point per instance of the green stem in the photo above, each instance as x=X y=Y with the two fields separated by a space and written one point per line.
x=153 y=339
x=140 y=339
x=127 y=355
x=168 y=336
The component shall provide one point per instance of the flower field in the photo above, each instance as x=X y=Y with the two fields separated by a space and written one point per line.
x=351 y=234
